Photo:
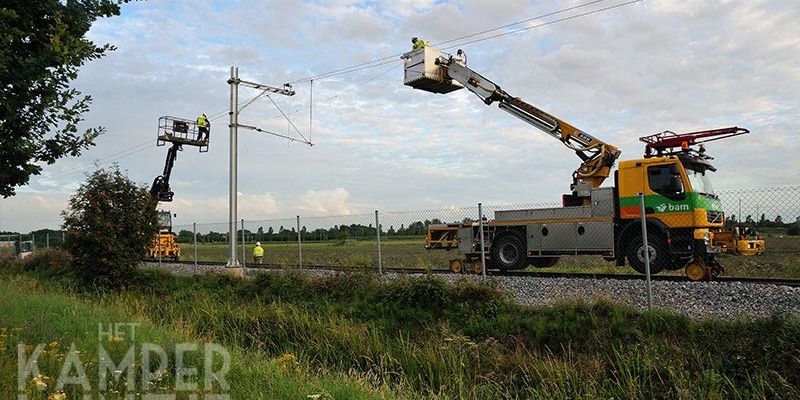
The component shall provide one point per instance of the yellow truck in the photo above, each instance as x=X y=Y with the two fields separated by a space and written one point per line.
x=683 y=215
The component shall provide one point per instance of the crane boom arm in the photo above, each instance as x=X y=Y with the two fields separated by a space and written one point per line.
x=160 y=189
x=597 y=156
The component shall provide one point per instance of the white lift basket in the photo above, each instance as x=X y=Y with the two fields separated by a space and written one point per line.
x=424 y=73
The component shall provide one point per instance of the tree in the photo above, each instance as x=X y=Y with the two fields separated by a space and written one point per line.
x=42 y=45
x=185 y=236
x=110 y=223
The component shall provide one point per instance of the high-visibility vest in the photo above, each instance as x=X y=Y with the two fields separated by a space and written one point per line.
x=202 y=122
x=418 y=44
x=258 y=251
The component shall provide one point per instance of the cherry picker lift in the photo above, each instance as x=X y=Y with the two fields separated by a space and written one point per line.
x=179 y=132
x=683 y=215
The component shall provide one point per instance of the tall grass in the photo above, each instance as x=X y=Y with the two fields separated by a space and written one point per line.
x=425 y=338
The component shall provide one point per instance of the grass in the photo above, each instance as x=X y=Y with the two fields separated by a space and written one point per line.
x=357 y=337
x=781 y=258
x=34 y=312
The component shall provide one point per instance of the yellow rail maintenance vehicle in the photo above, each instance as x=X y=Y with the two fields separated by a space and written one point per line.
x=683 y=214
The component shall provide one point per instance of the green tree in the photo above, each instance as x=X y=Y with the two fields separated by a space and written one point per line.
x=110 y=223
x=185 y=236
x=42 y=45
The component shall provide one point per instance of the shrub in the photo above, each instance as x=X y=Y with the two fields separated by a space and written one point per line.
x=793 y=230
x=52 y=260
x=110 y=224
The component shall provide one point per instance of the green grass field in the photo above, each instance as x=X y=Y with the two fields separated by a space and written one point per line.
x=353 y=337
x=781 y=258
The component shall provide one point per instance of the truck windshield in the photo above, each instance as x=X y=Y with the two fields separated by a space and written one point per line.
x=701 y=181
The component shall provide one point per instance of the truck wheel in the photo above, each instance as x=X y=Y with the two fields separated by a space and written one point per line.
x=508 y=253
x=542 y=262
x=659 y=259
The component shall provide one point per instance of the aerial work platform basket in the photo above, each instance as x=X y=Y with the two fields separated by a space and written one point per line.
x=423 y=72
x=181 y=131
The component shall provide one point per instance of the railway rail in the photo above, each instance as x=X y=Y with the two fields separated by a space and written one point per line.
x=522 y=274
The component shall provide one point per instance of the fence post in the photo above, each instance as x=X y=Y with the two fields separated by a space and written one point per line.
x=244 y=239
x=158 y=239
x=646 y=248
x=378 y=230
x=483 y=248
x=299 y=244
x=47 y=240
x=33 y=241
x=194 y=234
x=63 y=239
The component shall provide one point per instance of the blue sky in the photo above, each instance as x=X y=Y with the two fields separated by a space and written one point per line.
x=619 y=75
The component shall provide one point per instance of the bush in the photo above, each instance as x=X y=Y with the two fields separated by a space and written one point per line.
x=52 y=260
x=110 y=224
x=793 y=230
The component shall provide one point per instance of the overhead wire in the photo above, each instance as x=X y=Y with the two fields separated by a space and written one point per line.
x=106 y=159
x=382 y=60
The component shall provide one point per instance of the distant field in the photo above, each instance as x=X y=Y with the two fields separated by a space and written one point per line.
x=781 y=258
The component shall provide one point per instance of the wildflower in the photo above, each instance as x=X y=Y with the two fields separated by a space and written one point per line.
x=288 y=362
x=60 y=395
x=40 y=381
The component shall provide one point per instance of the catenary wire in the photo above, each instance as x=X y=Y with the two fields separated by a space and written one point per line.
x=391 y=59
x=379 y=61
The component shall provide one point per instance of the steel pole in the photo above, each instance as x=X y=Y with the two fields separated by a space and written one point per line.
x=646 y=252
x=194 y=233
x=378 y=230
x=244 y=239
x=740 y=215
x=233 y=124
x=483 y=248
x=299 y=244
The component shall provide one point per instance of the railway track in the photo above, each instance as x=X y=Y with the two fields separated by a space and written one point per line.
x=522 y=274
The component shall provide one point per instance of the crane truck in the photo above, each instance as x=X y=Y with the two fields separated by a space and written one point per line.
x=682 y=212
x=178 y=132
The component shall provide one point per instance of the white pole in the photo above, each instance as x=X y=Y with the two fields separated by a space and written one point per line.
x=244 y=239
x=47 y=240
x=483 y=248
x=646 y=253
x=234 y=120
x=378 y=230
x=299 y=243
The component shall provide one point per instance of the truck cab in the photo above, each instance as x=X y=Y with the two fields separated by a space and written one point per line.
x=681 y=209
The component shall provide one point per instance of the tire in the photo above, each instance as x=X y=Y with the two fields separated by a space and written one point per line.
x=508 y=253
x=659 y=256
x=542 y=262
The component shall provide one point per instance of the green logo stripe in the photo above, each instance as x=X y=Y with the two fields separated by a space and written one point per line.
x=662 y=204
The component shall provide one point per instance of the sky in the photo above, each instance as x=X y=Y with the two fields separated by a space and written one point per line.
x=619 y=74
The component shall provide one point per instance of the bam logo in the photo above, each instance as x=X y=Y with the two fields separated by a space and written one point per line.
x=672 y=207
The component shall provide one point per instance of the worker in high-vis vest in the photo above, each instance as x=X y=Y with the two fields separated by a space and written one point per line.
x=258 y=254
x=202 y=127
x=418 y=43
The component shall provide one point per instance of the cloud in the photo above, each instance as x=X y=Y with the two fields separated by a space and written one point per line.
x=621 y=74
x=325 y=202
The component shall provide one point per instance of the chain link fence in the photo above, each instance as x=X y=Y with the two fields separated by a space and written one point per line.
x=589 y=241
x=761 y=237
